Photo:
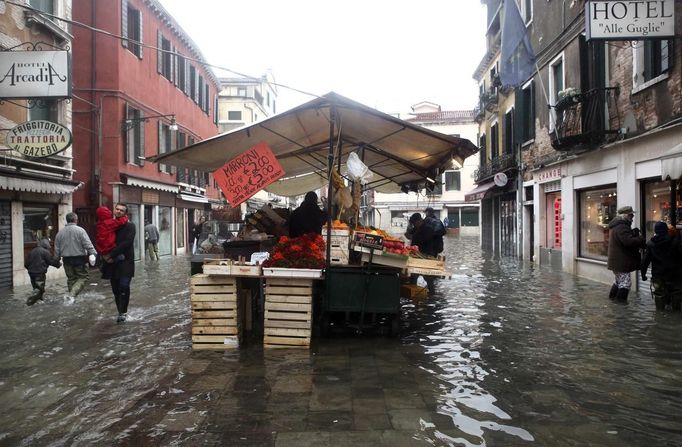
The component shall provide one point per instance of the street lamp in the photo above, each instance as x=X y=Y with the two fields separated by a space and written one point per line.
x=129 y=123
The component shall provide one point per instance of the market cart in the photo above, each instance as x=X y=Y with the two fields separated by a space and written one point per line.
x=312 y=144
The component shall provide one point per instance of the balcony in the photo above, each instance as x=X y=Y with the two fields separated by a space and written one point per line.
x=502 y=163
x=585 y=120
x=488 y=99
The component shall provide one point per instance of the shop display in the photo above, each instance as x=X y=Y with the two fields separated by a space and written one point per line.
x=306 y=251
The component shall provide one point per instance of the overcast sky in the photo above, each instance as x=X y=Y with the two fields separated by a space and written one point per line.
x=385 y=54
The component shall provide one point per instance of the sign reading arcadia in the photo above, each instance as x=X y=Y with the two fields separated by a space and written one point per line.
x=35 y=74
x=248 y=173
x=39 y=138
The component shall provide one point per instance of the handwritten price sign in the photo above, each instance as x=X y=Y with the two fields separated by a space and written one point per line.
x=248 y=173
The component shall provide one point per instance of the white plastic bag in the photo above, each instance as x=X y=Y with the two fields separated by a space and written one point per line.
x=357 y=170
x=421 y=282
x=92 y=259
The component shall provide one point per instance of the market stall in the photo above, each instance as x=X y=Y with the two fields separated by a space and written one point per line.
x=316 y=146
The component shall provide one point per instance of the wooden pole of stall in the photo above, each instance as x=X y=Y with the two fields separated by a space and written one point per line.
x=330 y=191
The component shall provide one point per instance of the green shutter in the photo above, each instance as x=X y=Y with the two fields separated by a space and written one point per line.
x=159 y=53
x=140 y=48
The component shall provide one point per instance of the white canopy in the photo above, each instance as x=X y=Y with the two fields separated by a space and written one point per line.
x=396 y=151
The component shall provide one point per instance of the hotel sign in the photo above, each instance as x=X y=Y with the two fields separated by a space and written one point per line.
x=629 y=20
x=35 y=74
x=39 y=138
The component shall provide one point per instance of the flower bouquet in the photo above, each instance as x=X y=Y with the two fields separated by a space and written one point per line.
x=304 y=252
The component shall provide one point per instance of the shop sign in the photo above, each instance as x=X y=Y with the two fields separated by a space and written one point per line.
x=629 y=20
x=368 y=240
x=550 y=175
x=39 y=138
x=35 y=74
x=248 y=173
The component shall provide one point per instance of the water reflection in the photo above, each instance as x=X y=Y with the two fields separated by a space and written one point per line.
x=503 y=354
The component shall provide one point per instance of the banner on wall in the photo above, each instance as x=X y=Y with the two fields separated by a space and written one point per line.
x=246 y=174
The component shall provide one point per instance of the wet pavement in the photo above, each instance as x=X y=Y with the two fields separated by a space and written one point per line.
x=504 y=354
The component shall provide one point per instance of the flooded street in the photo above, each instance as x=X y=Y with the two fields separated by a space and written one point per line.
x=504 y=354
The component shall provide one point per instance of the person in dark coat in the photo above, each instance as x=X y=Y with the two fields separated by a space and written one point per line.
x=664 y=253
x=623 y=257
x=122 y=272
x=427 y=233
x=307 y=218
x=37 y=262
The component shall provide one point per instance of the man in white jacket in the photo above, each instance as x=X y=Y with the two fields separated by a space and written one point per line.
x=73 y=245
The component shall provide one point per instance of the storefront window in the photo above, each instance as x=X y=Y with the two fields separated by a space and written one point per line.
x=134 y=217
x=39 y=222
x=180 y=227
x=597 y=208
x=661 y=204
x=165 y=230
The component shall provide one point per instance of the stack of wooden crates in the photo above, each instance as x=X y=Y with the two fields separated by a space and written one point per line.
x=339 y=245
x=288 y=312
x=215 y=312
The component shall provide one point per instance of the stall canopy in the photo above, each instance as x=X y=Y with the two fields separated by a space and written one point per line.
x=400 y=154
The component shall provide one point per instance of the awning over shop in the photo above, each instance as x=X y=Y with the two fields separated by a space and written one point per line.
x=479 y=192
x=396 y=151
x=671 y=167
x=193 y=197
x=149 y=184
x=40 y=186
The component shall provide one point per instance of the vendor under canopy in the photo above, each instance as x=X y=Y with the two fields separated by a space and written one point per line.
x=307 y=218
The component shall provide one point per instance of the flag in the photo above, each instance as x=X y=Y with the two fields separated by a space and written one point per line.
x=517 y=59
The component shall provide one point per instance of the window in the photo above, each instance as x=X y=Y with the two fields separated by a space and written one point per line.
x=453 y=181
x=526 y=10
x=131 y=29
x=556 y=84
x=179 y=227
x=206 y=96
x=48 y=112
x=193 y=83
x=164 y=57
x=494 y=141
x=200 y=92
x=43 y=5
x=481 y=150
x=274 y=109
x=525 y=105
x=597 y=208
x=134 y=137
x=39 y=222
x=509 y=132
x=165 y=145
x=652 y=58
x=234 y=115
x=181 y=73
x=241 y=91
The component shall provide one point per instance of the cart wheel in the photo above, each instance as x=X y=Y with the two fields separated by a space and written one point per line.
x=324 y=325
x=395 y=325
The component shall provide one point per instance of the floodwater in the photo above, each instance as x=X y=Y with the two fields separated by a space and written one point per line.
x=503 y=354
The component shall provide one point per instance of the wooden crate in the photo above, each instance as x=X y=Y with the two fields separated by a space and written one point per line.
x=217 y=266
x=288 y=312
x=435 y=264
x=216 y=322
x=339 y=254
x=413 y=291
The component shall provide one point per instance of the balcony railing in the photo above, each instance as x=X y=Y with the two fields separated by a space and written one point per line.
x=499 y=164
x=585 y=120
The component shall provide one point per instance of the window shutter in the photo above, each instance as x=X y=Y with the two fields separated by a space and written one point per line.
x=140 y=145
x=215 y=110
x=140 y=48
x=159 y=53
x=523 y=116
x=531 y=112
x=162 y=144
x=126 y=134
x=124 y=23
x=176 y=73
x=173 y=146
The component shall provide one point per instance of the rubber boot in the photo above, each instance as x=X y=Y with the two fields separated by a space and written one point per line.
x=622 y=295
x=613 y=292
x=35 y=296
